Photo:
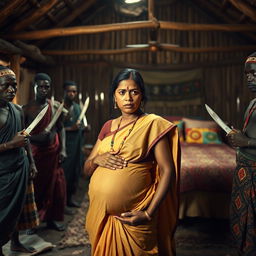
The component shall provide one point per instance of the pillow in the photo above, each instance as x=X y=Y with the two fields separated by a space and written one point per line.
x=193 y=123
x=203 y=135
x=180 y=125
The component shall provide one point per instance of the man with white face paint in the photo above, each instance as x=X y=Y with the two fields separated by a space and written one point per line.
x=48 y=149
x=14 y=164
x=243 y=200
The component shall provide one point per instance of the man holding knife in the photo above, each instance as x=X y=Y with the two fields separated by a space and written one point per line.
x=48 y=147
x=243 y=197
x=74 y=138
x=14 y=164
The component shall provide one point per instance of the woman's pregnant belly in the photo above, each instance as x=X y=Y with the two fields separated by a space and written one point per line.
x=120 y=190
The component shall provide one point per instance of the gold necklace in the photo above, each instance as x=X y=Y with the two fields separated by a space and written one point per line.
x=125 y=137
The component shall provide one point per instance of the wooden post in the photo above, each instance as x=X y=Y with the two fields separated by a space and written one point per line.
x=150 y=9
x=15 y=66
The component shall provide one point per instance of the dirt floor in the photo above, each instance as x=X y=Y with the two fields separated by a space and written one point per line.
x=194 y=236
x=55 y=236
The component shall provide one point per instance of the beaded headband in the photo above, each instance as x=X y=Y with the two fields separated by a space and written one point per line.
x=6 y=72
x=251 y=60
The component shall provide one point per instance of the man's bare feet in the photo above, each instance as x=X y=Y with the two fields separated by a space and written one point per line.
x=21 y=248
x=17 y=246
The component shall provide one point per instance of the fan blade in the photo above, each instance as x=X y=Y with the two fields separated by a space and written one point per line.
x=137 y=45
x=169 y=45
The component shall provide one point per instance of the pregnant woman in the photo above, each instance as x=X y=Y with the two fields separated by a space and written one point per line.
x=134 y=169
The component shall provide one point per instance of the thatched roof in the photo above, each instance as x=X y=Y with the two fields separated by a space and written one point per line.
x=28 y=25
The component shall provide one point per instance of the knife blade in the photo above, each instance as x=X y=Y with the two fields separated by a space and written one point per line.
x=218 y=120
x=36 y=120
x=55 y=117
x=86 y=104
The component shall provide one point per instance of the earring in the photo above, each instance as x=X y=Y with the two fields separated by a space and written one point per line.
x=115 y=105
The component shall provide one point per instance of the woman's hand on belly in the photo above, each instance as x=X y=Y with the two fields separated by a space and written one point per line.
x=133 y=218
x=110 y=160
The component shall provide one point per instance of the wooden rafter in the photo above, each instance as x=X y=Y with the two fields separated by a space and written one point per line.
x=78 y=11
x=8 y=9
x=69 y=4
x=206 y=5
x=22 y=49
x=7 y=47
x=162 y=47
x=60 y=32
x=51 y=18
x=37 y=14
x=244 y=8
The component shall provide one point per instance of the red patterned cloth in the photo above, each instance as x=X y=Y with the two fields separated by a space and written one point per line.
x=207 y=167
x=50 y=183
x=243 y=205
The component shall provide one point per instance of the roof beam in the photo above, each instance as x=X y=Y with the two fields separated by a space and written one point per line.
x=79 y=10
x=26 y=50
x=8 y=9
x=206 y=5
x=244 y=8
x=69 y=4
x=139 y=49
x=8 y=47
x=93 y=29
x=37 y=14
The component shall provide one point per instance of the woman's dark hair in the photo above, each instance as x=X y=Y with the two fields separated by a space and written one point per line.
x=127 y=74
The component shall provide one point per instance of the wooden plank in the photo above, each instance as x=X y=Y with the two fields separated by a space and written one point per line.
x=244 y=8
x=37 y=14
x=93 y=29
x=8 y=9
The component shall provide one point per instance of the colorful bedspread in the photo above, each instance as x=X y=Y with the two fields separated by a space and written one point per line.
x=207 y=167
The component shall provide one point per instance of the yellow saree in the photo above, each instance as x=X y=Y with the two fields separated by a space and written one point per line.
x=112 y=192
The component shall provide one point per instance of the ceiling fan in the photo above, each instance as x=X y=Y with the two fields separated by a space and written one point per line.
x=153 y=45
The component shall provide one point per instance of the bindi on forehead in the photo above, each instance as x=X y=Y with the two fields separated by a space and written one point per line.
x=128 y=85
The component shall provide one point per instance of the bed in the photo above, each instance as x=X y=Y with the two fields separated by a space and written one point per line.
x=207 y=164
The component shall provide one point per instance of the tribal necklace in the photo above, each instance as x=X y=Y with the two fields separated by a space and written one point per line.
x=125 y=137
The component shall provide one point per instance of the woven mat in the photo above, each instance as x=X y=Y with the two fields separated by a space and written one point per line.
x=29 y=240
x=75 y=234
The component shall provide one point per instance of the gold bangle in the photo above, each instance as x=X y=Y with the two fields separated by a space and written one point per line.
x=147 y=215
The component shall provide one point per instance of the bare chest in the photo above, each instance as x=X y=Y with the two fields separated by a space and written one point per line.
x=3 y=116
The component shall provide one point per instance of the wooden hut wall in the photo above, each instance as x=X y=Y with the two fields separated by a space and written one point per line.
x=222 y=72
